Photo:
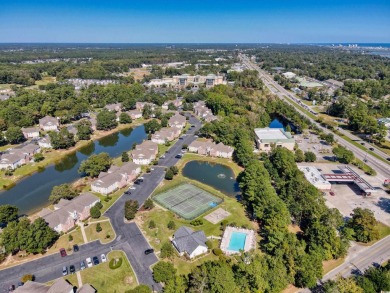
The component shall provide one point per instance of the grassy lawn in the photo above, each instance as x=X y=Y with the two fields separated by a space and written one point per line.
x=104 y=279
x=92 y=235
x=63 y=241
x=329 y=265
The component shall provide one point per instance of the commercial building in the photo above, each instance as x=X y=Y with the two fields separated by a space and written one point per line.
x=266 y=138
x=289 y=75
x=184 y=80
x=315 y=177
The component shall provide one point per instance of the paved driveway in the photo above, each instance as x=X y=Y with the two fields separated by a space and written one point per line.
x=129 y=236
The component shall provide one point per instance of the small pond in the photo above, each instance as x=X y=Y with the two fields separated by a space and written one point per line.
x=217 y=176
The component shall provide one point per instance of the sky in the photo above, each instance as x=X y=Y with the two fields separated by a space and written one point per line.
x=202 y=21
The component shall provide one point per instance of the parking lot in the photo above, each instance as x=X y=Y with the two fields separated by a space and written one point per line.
x=312 y=143
x=348 y=196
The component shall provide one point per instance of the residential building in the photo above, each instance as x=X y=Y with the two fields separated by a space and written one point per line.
x=209 y=148
x=48 y=123
x=203 y=112
x=115 y=178
x=165 y=134
x=135 y=114
x=19 y=156
x=68 y=212
x=145 y=153
x=190 y=242
x=45 y=142
x=157 y=82
x=114 y=107
x=177 y=103
x=178 y=121
x=30 y=132
x=278 y=137
x=141 y=105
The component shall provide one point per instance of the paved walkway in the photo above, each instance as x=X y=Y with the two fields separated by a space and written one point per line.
x=79 y=281
x=83 y=233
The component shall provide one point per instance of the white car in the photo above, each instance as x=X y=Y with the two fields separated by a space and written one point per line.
x=103 y=257
x=89 y=262
x=132 y=188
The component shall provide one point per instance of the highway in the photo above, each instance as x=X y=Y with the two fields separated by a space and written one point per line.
x=382 y=168
x=358 y=262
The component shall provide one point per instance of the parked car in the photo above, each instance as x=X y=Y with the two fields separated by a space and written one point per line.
x=371 y=149
x=332 y=193
x=89 y=262
x=132 y=188
x=11 y=288
x=75 y=248
x=82 y=265
x=95 y=260
x=72 y=269
x=149 y=251
x=103 y=258
x=64 y=271
x=179 y=156
x=63 y=252
x=128 y=192
x=20 y=284
x=388 y=159
x=162 y=157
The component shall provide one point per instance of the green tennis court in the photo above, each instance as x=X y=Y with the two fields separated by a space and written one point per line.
x=187 y=201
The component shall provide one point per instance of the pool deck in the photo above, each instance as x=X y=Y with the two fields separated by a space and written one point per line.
x=250 y=241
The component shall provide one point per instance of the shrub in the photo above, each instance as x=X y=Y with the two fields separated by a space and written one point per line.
x=196 y=222
x=167 y=250
x=217 y=251
x=70 y=237
x=163 y=272
x=98 y=227
x=125 y=157
x=108 y=236
x=115 y=263
x=185 y=146
x=169 y=174
x=140 y=289
x=152 y=224
x=26 y=278
x=95 y=212
x=148 y=205
x=38 y=157
x=171 y=225
x=131 y=207
x=99 y=205
x=174 y=170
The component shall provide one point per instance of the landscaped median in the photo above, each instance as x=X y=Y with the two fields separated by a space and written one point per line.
x=106 y=279
x=100 y=230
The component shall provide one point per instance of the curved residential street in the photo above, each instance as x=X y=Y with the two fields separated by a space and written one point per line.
x=129 y=237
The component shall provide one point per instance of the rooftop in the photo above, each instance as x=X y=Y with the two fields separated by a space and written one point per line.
x=267 y=134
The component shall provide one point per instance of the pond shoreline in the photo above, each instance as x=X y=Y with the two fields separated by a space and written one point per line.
x=57 y=155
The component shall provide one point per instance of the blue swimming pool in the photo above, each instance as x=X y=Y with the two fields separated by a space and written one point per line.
x=237 y=241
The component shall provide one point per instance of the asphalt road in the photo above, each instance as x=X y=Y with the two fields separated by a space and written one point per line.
x=357 y=263
x=381 y=167
x=129 y=237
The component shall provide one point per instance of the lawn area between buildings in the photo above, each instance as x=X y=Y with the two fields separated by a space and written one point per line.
x=104 y=279
x=107 y=230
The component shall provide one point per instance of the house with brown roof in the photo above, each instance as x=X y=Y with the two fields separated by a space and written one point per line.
x=115 y=178
x=45 y=142
x=48 y=123
x=141 y=105
x=145 y=153
x=165 y=134
x=209 y=148
x=178 y=121
x=114 y=107
x=68 y=212
x=30 y=132
x=135 y=114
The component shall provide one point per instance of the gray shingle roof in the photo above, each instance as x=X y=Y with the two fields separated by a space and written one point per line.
x=186 y=240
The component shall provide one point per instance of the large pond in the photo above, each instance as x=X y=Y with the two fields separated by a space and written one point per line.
x=32 y=193
x=218 y=176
